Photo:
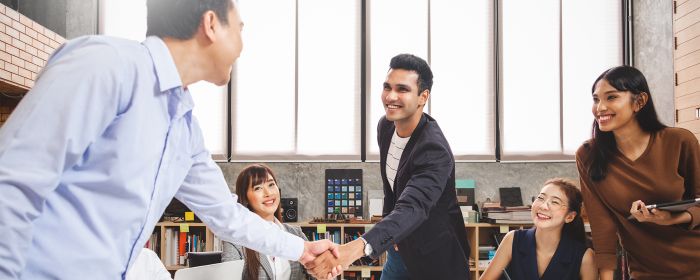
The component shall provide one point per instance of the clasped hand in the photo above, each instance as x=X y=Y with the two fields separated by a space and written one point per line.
x=320 y=258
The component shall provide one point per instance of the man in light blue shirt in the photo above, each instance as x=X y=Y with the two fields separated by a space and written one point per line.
x=106 y=138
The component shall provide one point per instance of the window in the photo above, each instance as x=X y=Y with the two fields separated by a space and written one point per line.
x=513 y=72
x=127 y=19
x=297 y=82
x=552 y=51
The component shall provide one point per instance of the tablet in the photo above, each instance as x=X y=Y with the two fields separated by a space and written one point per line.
x=676 y=206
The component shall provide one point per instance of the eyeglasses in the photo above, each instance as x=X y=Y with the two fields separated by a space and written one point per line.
x=552 y=203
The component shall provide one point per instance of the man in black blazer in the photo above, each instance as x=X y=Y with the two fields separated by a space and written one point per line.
x=421 y=215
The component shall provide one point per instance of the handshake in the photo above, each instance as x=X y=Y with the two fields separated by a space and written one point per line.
x=324 y=259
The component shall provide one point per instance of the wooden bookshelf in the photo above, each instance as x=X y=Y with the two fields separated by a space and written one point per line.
x=162 y=248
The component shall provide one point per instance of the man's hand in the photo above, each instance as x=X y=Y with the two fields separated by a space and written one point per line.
x=348 y=253
x=324 y=266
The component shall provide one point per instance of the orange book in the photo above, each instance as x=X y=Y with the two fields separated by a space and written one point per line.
x=181 y=243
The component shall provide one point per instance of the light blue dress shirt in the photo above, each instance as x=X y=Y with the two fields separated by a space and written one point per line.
x=94 y=153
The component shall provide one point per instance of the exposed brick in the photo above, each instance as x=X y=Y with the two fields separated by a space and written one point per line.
x=36 y=60
x=49 y=34
x=48 y=49
x=5 y=56
x=2 y=46
x=38 y=45
x=25 y=38
x=5 y=75
x=5 y=38
x=2 y=8
x=31 y=50
x=38 y=28
x=17 y=61
x=25 y=20
x=44 y=56
x=29 y=83
x=12 y=50
x=31 y=33
x=2 y=27
x=18 y=44
x=54 y=45
x=17 y=79
x=25 y=56
x=17 y=25
x=12 y=32
x=25 y=73
x=11 y=68
x=43 y=39
x=12 y=14
x=60 y=40
x=5 y=19
x=31 y=67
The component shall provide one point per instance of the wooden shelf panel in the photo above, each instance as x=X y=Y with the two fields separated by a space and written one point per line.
x=688 y=34
x=688 y=18
x=687 y=88
x=685 y=7
x=362 y=267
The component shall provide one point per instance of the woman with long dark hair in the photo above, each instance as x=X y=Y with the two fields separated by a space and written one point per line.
x=555 y=248
x=633 y=160
x=256 y=187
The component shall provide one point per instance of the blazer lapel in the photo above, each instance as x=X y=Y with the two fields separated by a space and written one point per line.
x=384 y=142
x=265 y=264
x=409 y=146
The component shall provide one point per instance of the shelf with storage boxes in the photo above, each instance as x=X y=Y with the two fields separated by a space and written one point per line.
x=342 y=233
x=171 y=241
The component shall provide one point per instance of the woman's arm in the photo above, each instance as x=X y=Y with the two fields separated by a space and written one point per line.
x=504 y=254
x=589 y=270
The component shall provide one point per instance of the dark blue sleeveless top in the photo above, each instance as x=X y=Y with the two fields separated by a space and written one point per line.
x=565 y=263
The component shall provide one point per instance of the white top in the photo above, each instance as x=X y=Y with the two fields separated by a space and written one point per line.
x=393 y=157
x=147 y=266
x=281 y=270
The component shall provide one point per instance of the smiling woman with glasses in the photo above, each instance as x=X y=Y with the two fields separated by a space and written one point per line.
x=555 y=247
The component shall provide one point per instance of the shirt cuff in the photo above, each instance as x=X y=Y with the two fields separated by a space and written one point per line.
x=295 y=249
x=694 y=217
x=606 y=261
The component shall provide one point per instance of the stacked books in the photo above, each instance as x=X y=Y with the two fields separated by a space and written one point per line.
x=495 y=214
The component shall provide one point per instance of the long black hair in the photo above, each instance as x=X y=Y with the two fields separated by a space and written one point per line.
x=602 y=145
x=574 y=229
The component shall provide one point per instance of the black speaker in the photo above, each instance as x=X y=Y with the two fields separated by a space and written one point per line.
x=290 y=209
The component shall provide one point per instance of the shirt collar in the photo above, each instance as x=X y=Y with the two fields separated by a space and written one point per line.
x=166 y=71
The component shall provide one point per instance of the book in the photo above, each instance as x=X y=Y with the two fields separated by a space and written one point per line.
x=675 y=206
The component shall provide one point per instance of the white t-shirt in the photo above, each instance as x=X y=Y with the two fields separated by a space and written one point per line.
x=281 y=269
x=147 y=266
x=393 y=157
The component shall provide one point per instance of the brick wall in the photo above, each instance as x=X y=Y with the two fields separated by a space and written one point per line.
x=24 y=48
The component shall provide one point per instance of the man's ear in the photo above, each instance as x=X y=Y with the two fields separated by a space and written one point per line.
x=209 y=25
x=424 y=96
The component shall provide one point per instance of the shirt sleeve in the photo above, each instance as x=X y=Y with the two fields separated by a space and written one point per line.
x=75 y=98
x=422 y=191
x=205 y=192
x=603 y=228
x=689 y=169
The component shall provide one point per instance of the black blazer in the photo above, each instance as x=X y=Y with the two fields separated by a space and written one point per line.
x=422 y=216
